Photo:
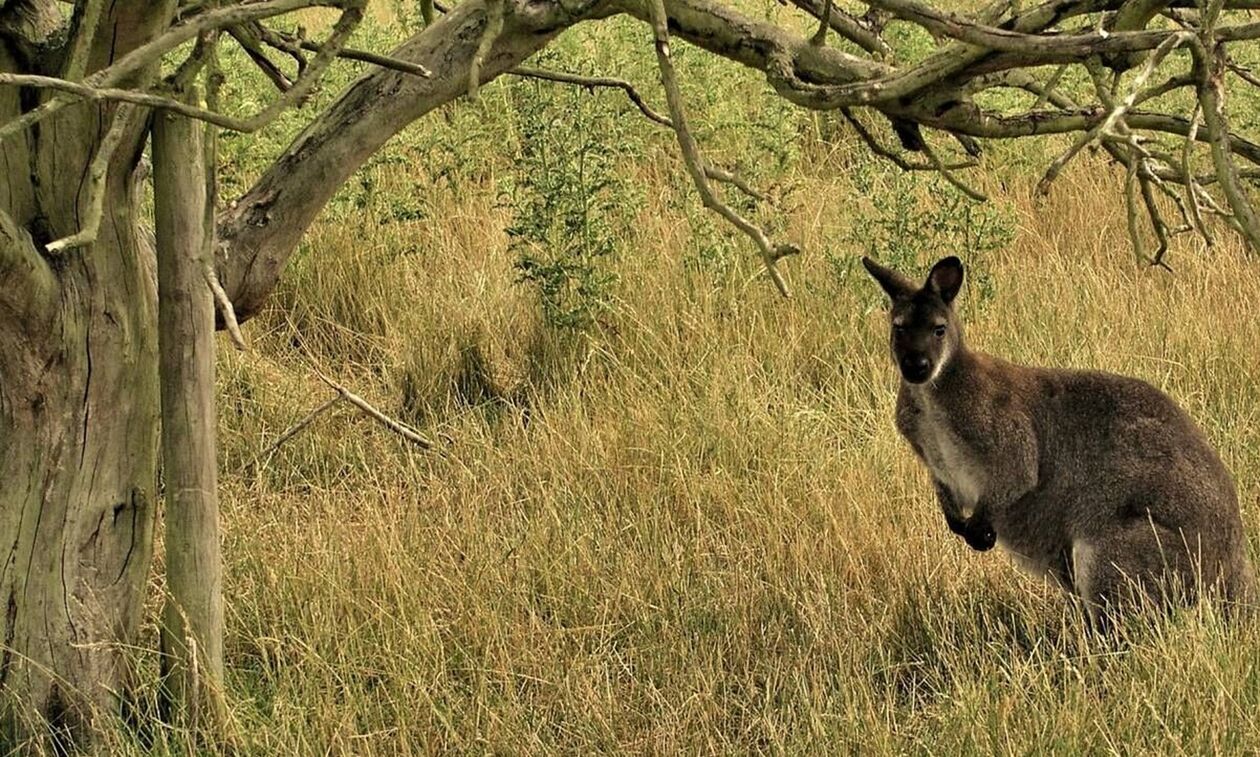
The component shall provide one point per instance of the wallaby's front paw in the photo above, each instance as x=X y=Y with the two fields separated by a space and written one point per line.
x=980 y=536
x=956 y=525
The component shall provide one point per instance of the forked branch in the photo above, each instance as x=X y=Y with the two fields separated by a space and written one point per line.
x=770 y=253
x=398 y=427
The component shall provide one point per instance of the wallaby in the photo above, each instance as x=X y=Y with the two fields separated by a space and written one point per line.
x=1099 y=481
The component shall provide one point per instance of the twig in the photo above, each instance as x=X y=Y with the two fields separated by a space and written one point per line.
x=728 y=177
x=1116 y=112
x=949 y=176
x=1157 y=223
x=1192 y=188
x=226 y=311
x=592 y=82
x=820 y=37
x=713 y=172
x=290 y=46
x=770 y=253
x=295 y=429
x=397 y=427
x=305 y=83
x=1174 y=82
x=1048 y=89
x=251 y=42
x=210 y=148
x=847 y=26
x=1150 y=173
x=494 y=26
x=873 y=144
x=275 y=38
x=1242 y=72
x=85 y=92
x=1131 y=209
x=96 y=182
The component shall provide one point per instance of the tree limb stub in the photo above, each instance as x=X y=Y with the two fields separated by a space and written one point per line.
x=528 y=72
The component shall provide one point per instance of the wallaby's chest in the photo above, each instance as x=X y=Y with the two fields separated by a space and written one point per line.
x=947 y=455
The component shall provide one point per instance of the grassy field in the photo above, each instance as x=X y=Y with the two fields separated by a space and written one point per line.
x=669 y=512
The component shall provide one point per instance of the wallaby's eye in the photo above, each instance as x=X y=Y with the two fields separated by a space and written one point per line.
x=898 y=328
x=939 y=330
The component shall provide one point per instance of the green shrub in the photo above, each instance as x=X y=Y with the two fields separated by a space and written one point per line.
x=570 y=204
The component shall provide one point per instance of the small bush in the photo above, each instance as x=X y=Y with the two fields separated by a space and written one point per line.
x=570 y=206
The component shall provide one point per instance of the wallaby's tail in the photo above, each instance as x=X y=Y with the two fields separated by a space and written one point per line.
x=1242 y=592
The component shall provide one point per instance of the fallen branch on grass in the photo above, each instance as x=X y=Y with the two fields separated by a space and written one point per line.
x=397 y=427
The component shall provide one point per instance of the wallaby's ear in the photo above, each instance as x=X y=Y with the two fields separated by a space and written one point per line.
x=946 y=278
x=892 y=282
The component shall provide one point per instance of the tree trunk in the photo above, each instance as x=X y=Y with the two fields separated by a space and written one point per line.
x=192 y=621
x=78 y=421
x=78 y=452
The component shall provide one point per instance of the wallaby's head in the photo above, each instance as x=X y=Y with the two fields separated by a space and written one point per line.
x=925 y=329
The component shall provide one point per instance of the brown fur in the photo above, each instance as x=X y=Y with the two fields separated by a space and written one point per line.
x=1097 y=480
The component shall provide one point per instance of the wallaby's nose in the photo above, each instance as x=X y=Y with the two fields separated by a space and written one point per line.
x=915 y=368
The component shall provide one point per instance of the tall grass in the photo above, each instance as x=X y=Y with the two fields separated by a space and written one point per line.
x=690 y=527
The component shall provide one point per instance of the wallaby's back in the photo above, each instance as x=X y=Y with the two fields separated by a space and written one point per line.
x=1117 y=461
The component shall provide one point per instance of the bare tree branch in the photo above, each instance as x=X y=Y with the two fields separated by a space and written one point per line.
x=590 y=82
x=695 y=163
x=729 y=177
x=153 y=50
x=250 y=40
x=397 y=427
x=494 y=27
x=262 y=228
x=820 y=36
x=1157 y=223
x=1209 y=61
x=83 y=91
x=262 y=458
x=845 y=25
x=223 y=303
x=1117 y=111
x=997 y=46
x=949 y=176
x=343 y=28
x=96 y=182
x=880 y=150
x=285 y=41
x=529 y=72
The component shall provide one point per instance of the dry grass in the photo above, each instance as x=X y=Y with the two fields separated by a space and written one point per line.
x=696 y=530
x=705 y=536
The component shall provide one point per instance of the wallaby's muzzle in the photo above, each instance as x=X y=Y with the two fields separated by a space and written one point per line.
x=915 y=368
